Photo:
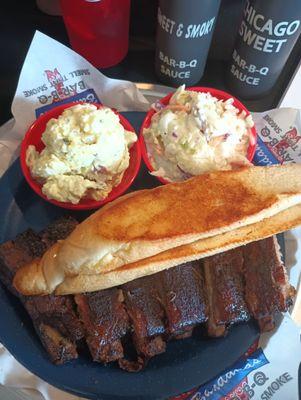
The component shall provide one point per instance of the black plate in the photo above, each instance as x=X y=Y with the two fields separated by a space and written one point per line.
x=186 y=363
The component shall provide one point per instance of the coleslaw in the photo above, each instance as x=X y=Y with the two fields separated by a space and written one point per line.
x=197 y=133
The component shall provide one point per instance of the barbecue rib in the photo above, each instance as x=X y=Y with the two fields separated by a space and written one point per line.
x=221 y=290
x=57 y=325
x=184 y=298
x=267 y=289
x=105 y=321
x=14 y=254
x=225 y=289
x=144 y=307
x=58 y=230
x=53 y=317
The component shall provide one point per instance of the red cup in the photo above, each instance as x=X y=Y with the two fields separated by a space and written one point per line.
x=219 y=94
x=33 y=137
x=98 y=29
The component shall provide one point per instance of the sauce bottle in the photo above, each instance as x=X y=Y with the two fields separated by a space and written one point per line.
x=184 y=33
x=266 y=36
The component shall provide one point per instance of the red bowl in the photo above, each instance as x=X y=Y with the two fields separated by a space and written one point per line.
x=221 y=95
x=33 y=137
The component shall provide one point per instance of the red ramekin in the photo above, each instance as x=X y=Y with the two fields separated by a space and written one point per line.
x=33 y=137
x=219 y=94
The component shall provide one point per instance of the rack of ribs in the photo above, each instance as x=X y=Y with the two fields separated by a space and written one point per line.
x=221 y=290
x=224 y=282
x=54 y=317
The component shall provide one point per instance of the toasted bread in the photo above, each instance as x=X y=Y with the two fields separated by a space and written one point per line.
x=148 y=222
x=278 y=223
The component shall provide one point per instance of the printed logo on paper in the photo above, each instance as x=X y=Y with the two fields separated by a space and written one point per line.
x=87 y=96
x=234 y=384
x=61 y=89
x=56 y=80
x=283 y=147
x=275 y=145
x=263 y=155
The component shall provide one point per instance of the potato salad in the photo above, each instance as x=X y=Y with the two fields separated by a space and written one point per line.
x=85 y=156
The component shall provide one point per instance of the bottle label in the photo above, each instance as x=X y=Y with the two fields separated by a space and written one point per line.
x=176 y=68
x=183 y=37
x=256 y=31
x=263 y=44
x=180 y=29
